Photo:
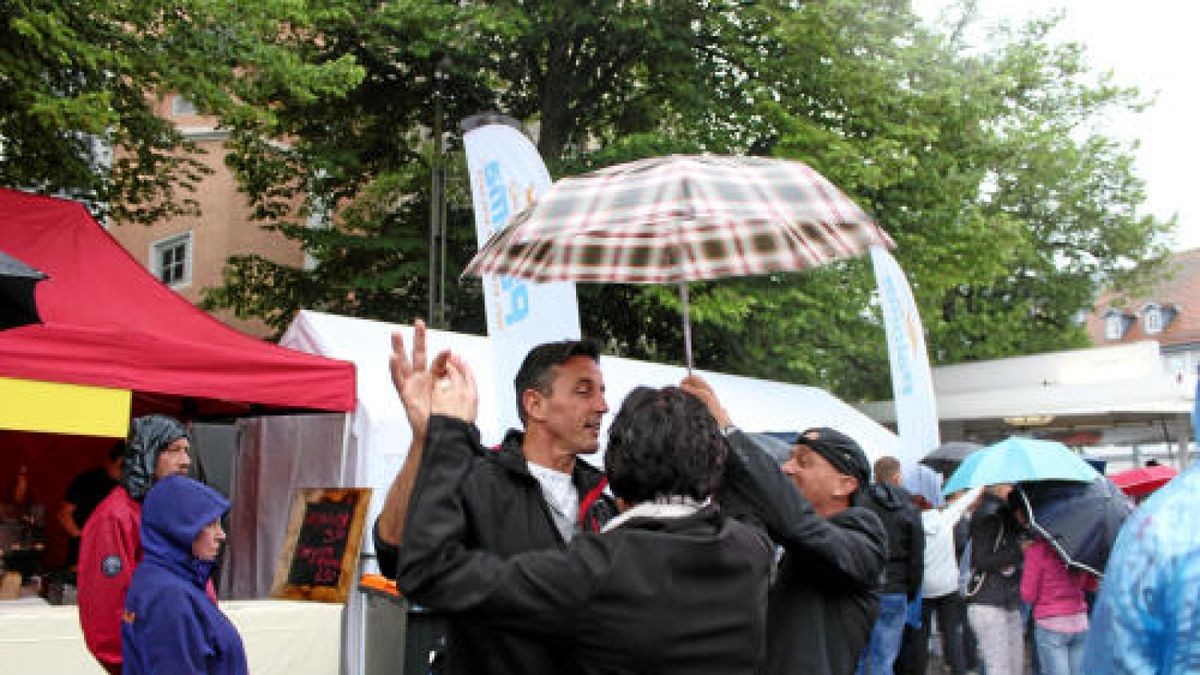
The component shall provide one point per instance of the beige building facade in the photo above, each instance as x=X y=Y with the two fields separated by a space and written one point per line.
x=188 y=253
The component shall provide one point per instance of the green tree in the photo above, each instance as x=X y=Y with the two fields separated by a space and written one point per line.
x=79 y=77
x=580 y=73
x=1007 y=210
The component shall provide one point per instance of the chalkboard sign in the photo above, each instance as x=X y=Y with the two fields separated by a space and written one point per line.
x=320 y=555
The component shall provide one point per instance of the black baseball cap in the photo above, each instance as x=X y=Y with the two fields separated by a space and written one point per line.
x=843 y=452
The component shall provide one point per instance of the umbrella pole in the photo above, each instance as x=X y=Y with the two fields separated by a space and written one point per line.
x=687 y=325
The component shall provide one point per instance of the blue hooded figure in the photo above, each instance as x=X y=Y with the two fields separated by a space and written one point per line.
x=170 y=625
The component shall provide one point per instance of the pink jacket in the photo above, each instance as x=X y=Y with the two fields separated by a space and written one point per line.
x=1049 y=586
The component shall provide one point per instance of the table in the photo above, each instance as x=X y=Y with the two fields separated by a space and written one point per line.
x=281 y=637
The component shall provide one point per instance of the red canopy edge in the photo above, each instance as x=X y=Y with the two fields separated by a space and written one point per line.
x=110 y=323
x=1143 y=480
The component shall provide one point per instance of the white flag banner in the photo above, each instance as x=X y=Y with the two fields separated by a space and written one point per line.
x=507 y=173
x=912 y=381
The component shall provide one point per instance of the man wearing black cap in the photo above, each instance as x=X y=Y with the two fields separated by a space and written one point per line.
x=825 y=597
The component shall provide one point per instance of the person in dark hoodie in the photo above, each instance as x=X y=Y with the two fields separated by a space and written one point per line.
x=110 y=546
x=170 y=623
x=825 y=595
x=904 y=570
x=994 y=589
x=671 y=586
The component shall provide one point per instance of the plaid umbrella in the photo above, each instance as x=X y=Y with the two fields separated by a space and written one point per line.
x=681 y=218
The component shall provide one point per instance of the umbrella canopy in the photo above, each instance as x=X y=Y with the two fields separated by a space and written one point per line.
x=949 y=455
x=681 y=218
x=1080 y=520
x=678 y=219
x=1143 y=480
x=1018 y=459
x=779 y=449
x=17 y=281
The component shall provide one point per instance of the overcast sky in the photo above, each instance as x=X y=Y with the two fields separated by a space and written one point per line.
x=1153 y=45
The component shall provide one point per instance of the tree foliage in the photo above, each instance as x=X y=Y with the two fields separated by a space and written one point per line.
x=1008 y=208
x=77 y=79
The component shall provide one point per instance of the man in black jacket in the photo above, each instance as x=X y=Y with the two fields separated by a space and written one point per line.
x=904 y=570
x=529 y=494
x=825 y=596
x=671 y=587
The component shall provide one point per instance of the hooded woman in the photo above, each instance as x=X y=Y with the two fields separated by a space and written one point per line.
x=170 y=623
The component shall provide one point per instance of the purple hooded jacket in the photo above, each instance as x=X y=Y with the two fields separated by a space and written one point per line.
x=170 y=625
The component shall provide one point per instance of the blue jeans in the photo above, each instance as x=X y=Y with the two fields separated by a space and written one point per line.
x=1059 y=653
x=885 y=636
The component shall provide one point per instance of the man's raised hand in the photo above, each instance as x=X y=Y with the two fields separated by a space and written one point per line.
x=413 y=378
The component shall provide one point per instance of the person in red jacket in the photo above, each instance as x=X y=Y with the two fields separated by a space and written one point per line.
x=110 y=546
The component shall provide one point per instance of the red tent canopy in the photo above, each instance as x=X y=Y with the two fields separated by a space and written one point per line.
x=109 y=323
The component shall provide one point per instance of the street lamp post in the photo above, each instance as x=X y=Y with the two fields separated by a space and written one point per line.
x=437 y=206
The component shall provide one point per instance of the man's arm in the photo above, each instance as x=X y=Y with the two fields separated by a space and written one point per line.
x=851 y=551
x=412 y=379
x=533 y=591
x=439 y=571
x=66 y=518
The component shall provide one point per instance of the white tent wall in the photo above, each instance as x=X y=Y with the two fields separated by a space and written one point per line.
x=279 y=455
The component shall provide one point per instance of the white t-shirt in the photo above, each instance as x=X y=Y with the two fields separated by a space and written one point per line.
x=561 y=496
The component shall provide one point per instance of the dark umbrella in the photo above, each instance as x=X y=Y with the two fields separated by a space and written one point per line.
x=1080 y=520
x=946 y=457
x=774 y=445
x=17 y=306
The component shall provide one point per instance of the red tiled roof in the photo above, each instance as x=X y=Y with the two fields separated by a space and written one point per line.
x=1180 y=288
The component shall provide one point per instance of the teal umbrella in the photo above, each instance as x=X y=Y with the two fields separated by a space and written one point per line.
x=1016 y=460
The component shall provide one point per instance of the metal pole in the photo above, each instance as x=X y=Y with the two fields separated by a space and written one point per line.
x=443 y=322
x=437 y=207
x=435 y=197
x=687 y=325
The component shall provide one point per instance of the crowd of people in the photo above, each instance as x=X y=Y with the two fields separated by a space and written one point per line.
x=861 y=572
x=695 y=550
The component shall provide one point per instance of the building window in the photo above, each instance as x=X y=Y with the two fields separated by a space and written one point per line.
x=1152 y=319
x=180 y=106
x=1114 y=325
x=171 y=260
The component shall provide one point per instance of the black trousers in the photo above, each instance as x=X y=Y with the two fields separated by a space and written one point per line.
x=951 y=612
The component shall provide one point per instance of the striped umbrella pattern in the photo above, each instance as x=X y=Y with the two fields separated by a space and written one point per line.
x=681 y=218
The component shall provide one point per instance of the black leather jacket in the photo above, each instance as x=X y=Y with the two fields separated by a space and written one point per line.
x=825 y=597
x=905 y=538
x=996 y=555
x=503 y=512
x=682 y=595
